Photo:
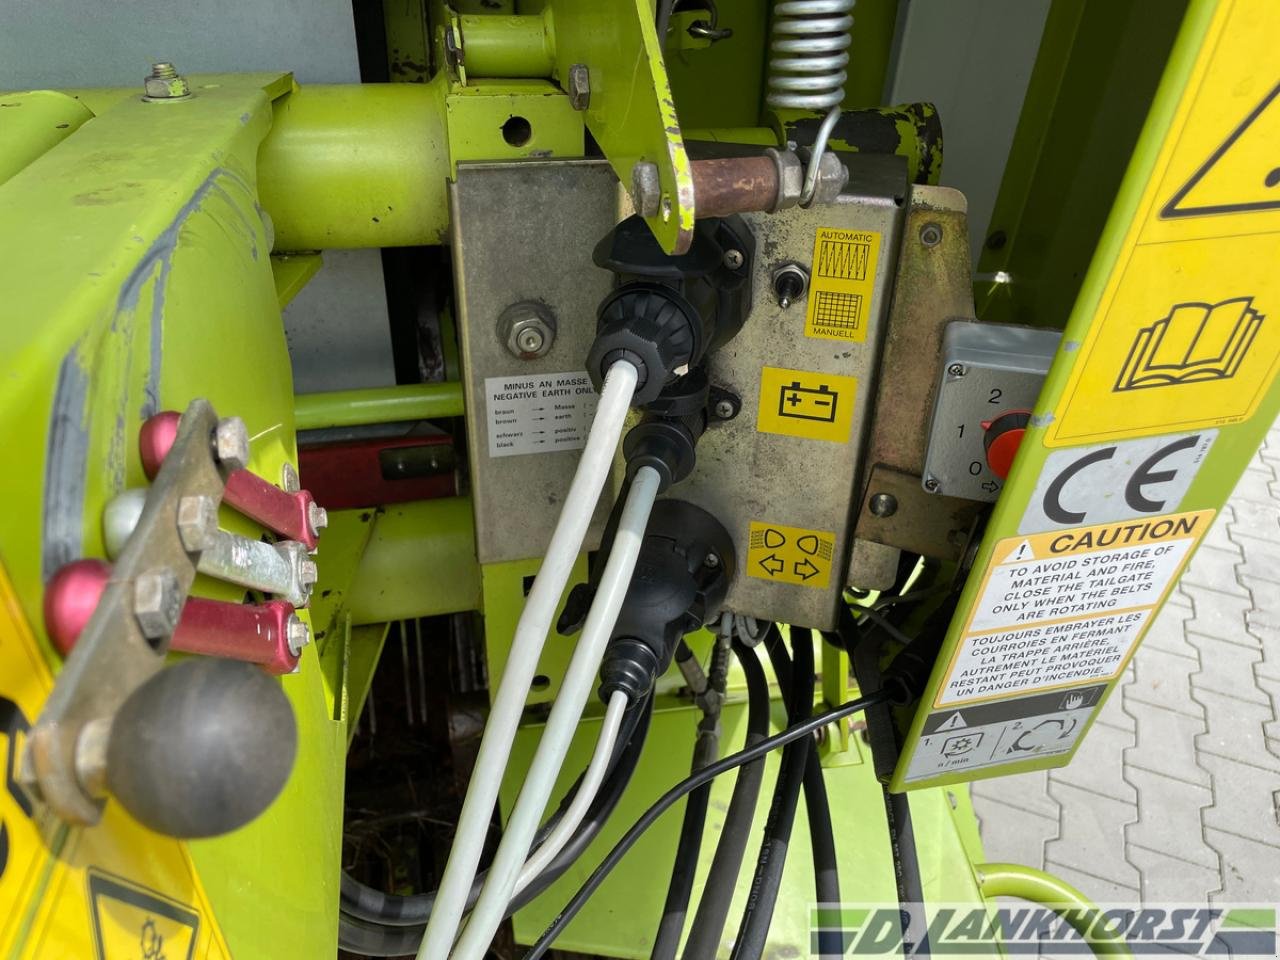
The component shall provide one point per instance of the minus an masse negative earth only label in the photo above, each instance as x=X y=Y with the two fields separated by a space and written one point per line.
x=540 y=413
x=1064 y=608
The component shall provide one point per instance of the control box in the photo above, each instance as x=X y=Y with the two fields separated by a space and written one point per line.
x=990 y=378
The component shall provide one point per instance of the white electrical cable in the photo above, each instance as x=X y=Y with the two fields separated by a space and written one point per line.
x=579 y=681
x=522 y=662
x=583 y=797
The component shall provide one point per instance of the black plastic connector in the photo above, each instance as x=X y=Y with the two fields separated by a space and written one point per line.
x=668 y=312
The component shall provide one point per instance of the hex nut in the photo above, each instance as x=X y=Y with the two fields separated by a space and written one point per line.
x=297 y=634
x=231 y=444
x=790 y=178
x=646 y=188
x=157 y=603
x=832 y=176
x=579 y=86
x=164 y=83
x=197 y=522
x=528 y=329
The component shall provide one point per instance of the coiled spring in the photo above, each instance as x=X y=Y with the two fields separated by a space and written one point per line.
x=809 y=53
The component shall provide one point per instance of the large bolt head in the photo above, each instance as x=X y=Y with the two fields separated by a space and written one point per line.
x=317 y=516
x=646 y=188
x=579 y=86
x=157 y=603
x=528 y=329
x=197 y=522
x=231 y=444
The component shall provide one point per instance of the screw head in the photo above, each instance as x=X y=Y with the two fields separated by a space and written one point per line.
x=579 y=88
x=956 y=370
x=931 y=484
x=297 y=634
x=711 y=561
x=197 y=522
x=883 y=504
x=724 y=410
x=733 y=259
x=157 y=603
x=931 y=234
x=231 y=444
x=528 y=329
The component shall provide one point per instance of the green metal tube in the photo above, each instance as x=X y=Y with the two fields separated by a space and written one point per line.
x=420 y=562
x=514 y=46
x=357 y=408
x=1036 y=886
x=357 y=166
x=32 y=123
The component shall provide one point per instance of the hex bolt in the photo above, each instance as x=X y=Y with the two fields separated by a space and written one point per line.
x=165 y=83
x=297 y=634
x=197 y=522
x=91 y=756
x=157 y=603
x=579 y=86
x=646 y=188
x=290 y=482
x=956 y=370
x=733 y=259
x=528 y=329
x=790 y=283
x=231 y=444
x=931 y=234
x=931 y=484
x=883 y=505
x=317 y=516
x=724 y=410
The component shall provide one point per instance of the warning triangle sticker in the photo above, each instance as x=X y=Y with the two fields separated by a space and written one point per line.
x=1242 y=175
x=953 y=722
x=130 y=921
x=1021 y=552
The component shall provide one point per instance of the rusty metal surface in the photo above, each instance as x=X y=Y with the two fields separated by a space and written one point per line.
x=113 y=656
x=734 y=185
x=921 y=522
x=933 y=287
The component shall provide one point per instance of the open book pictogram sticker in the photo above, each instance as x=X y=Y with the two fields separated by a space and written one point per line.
x=1196 y=342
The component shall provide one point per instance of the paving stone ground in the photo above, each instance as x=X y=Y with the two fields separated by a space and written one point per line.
x=1175 y=796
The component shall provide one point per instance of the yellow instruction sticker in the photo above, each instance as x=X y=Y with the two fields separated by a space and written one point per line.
x=790 y=554
x=128 y=920
x=800 y=403
x=1064 y=608
x=844 y=273
x=1186 y=333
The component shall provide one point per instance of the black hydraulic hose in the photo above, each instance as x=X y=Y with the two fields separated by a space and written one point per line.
x=705 y=749
x=672 y=796
x=822 y=839
x=753 y=931
x=722 y=878
x=370 y=933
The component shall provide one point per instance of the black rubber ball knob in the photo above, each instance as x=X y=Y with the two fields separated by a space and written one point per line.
x=202 y=748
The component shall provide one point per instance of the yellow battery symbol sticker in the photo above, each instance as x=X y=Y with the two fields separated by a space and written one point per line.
x=801 y=403
x=790 y=554
x=840 y=285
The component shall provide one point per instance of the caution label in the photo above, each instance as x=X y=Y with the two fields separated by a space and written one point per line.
x=841 y=283
x=111 y=891
x=1063 y=608
x=986 y=735
x=790 y=554
x=130 y=921
x=801 y=403
x=1186 y=333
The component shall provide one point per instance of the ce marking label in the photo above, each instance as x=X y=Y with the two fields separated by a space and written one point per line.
x=1107 y=482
